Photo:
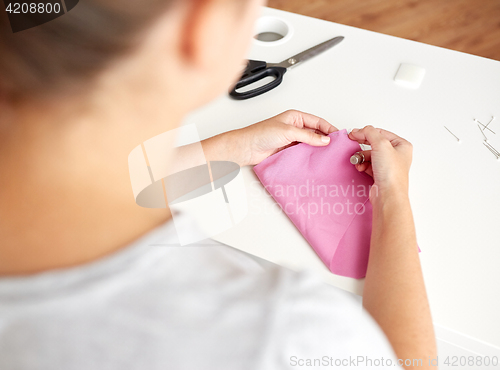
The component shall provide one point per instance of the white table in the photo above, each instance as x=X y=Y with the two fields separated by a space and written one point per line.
x=455 y=187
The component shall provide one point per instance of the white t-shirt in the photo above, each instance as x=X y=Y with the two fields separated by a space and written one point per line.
x=157 y=305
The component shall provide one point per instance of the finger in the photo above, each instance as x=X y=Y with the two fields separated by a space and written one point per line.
x=356 y=134
x=362 y=166
x=318 y=123
x=365 y=167
x=388 y=134
x=368 y=135
x=392 y=137
x=301 y=119
x=306 y=136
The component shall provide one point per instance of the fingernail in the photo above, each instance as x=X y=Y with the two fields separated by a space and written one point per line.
x=355 y=130
x=325 y=139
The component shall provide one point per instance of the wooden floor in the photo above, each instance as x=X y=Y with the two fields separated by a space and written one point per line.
x=471 y=26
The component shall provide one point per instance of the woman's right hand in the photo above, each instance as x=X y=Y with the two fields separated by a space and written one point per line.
x=389 y=160
x=394 y=292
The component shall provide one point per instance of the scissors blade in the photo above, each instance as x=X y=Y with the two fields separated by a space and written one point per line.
x=309 y=53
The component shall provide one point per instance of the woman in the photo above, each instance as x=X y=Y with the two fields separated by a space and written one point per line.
x=82 y=286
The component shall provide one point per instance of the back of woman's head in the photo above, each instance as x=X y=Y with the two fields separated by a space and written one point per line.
x=71 y=50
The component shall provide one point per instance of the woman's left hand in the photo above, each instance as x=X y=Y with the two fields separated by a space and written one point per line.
x=252 y=144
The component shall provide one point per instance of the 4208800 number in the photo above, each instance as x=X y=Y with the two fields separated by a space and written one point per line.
x=33 y=8
x=476 y=361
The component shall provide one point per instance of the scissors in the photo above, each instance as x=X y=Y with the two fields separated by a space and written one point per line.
x=257 y=70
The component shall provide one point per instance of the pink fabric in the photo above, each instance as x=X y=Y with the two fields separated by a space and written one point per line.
x=336 y=223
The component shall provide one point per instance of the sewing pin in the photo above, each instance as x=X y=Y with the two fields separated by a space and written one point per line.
x=485 y=126
x=493 y=150
x=452 y=133
x=491 y=120
x=482 y=132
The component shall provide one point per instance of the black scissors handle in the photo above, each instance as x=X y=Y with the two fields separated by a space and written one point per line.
x=257 y=70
